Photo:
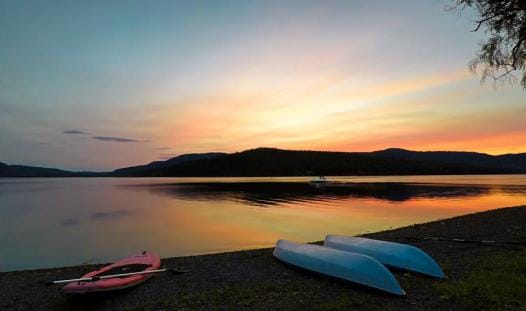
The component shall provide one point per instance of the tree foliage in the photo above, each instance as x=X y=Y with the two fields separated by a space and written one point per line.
x=504 y=52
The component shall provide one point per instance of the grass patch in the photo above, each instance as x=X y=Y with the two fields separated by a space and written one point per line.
x=495 y=282
x=291 y=295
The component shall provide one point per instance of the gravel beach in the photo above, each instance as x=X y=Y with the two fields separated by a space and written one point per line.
x=254 y=280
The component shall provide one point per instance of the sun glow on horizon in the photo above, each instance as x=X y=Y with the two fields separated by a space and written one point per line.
x=334 y=114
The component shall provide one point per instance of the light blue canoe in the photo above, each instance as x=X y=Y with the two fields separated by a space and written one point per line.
x=396 y=255
x=352 y=267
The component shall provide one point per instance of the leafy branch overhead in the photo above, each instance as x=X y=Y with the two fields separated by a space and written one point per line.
x=504 y=52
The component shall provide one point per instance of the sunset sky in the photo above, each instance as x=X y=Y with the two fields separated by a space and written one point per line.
x=98 y=85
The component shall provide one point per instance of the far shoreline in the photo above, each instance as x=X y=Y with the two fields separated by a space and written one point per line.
x=106 y=175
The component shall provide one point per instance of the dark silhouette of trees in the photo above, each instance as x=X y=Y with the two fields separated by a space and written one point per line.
x=277 y=162
x=504 y=52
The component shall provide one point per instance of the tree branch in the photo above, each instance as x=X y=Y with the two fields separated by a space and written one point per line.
x=503 y=74
x=515 y=50
x=482 y=21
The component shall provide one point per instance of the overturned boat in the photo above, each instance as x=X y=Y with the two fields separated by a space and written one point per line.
x=344 y=265
x=396 y=255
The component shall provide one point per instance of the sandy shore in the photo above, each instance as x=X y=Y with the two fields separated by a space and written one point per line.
x=254 y=280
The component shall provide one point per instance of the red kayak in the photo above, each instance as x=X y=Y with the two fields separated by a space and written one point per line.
x=136 y=263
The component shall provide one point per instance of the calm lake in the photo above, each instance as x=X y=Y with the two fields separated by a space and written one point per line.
x=69 y=221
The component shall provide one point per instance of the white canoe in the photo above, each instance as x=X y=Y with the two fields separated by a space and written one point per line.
x=352 y=267
x=396 y=255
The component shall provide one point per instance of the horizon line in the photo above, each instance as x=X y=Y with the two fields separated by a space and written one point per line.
x=256 y=148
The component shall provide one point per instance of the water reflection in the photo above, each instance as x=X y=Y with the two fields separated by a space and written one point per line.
x=44 y=221
x=268 y=194
x=98 y=216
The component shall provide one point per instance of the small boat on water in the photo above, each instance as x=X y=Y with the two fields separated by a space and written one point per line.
x=319 y=180
x=396 y=255
x=344 y=265
x=124 y=273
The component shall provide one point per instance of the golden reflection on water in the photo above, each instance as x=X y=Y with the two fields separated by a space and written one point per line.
x=227 y=223
x=55 y=222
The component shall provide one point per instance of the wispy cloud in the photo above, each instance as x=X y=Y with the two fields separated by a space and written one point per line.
x=75 y=132
x=106 y=138
x=119 y=139
x=111 y=214
x=163 y=148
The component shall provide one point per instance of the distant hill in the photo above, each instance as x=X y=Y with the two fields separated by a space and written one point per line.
x=31 y=171
x=506 y=162
x=36 y=171
x=277 y=162
x=157 y=167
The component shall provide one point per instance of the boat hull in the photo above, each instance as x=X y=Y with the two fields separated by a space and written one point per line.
x=396 y=255
x=135 y=263
x=348 y=266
